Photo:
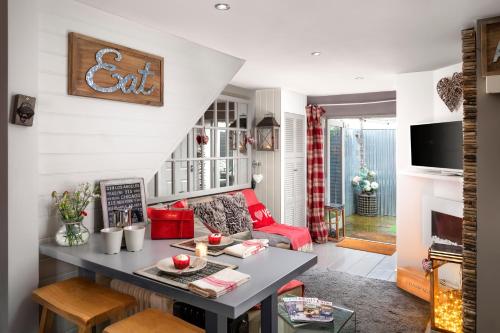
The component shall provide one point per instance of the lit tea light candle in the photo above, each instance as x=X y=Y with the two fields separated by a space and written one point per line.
x=201 y=249
x=214 y=239
x=181 y=261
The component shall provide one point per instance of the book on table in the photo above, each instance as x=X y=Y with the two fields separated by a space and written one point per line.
x=308 y=309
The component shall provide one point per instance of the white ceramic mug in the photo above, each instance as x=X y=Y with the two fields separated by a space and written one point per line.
x=134 y=237
x=112 y=240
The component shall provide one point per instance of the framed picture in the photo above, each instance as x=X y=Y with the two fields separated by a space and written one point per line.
x=101 y=69
x=120 y=195
x=489 y=34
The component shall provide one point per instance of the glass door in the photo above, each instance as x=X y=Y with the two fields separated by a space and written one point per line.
x=361 y=175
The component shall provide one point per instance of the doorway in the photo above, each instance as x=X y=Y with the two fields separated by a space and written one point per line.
x=361 y=175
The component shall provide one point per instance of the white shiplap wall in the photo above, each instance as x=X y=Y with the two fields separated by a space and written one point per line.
x=269 y=190
x=276 y=101
x=85 y=139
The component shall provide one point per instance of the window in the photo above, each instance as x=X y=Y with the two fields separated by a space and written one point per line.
x=201 y=167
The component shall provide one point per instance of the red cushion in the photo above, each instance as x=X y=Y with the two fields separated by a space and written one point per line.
x=180 y=204
x=250 y=197
x=290 y=286
x=287 y=288
x=261 y=216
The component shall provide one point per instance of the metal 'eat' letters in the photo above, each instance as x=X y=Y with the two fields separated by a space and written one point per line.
x=122 y=81
x=497 y=53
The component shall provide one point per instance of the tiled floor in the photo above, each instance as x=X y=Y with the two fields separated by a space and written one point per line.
x=372 y=265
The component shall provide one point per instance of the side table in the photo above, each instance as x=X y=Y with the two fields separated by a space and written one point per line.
x=338 y=233
x=344 y=320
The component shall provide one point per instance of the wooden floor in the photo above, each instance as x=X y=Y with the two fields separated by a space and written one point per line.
x=375 y=228
x=372 y=265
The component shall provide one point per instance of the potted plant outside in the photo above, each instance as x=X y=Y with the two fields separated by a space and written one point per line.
x=366 y=187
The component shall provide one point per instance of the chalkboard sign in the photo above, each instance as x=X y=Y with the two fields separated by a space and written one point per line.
x=118 y=195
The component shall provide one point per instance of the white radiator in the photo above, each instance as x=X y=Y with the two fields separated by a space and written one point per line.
x=145 y=298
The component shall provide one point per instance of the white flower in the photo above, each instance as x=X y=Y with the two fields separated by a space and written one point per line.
x=374 y=185
x=366 y=183
x=367 y=188
x=356 y=180
x=372 y=173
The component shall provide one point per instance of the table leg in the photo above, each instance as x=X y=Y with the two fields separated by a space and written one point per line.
x=82 y=272
x=215 y=323
x=269 y=314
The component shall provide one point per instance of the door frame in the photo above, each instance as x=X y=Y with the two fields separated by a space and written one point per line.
x=333 y=122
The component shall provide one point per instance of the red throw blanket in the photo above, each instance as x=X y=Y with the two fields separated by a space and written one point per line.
x=300 y=239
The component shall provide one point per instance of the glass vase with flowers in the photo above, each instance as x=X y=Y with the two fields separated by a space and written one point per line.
x=71 y=207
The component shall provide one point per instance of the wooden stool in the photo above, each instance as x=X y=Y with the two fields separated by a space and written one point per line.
x=81 y=302
x=152 y=321
x=339 y=229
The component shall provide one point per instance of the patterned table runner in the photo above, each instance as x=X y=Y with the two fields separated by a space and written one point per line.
x=154 y=273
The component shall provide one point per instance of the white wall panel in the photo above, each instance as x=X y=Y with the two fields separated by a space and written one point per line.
x=276 y=101
x=84 y=139
x=268 y=101
x=418 y=102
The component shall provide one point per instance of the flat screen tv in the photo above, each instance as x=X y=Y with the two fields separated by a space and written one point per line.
x=437 y=146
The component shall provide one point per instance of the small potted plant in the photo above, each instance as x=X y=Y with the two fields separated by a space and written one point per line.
x=366 y=186
x=71 y=207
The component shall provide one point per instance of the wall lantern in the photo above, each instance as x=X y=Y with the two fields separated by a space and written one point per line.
x=268 y=131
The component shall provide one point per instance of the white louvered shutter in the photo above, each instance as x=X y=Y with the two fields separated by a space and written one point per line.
x=295 y=164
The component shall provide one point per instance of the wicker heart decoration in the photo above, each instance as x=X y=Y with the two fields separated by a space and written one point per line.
x=450 y=90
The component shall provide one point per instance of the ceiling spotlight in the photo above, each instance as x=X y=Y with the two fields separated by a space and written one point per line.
x=359 y=78
x=315 y=53
x=222 y=6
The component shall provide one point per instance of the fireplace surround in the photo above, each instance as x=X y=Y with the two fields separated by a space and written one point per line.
x=447 y=221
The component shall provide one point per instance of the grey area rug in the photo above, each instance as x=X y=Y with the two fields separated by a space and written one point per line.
x=380 y=306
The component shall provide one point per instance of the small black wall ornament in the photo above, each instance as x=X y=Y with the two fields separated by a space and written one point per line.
x=24 y=110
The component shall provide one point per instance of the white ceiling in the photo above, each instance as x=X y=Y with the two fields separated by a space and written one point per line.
x=374 y=39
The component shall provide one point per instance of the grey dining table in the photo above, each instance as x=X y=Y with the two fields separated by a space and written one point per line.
x=269 y=270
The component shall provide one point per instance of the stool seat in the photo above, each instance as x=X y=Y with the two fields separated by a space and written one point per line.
x=83 y=302
x=334 y=206
x=152 y=321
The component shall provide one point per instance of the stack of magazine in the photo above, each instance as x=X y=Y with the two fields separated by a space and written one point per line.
x=308 y=310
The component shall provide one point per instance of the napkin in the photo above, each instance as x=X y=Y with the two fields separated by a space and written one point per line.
x=247 y=248
x=218 y=284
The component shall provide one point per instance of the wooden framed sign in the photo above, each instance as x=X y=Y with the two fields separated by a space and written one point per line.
x=118 y=195
x=101 y=69
x=490 y=46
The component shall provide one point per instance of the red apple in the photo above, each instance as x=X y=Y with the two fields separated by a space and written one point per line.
x=181 y=261
x=214 y=239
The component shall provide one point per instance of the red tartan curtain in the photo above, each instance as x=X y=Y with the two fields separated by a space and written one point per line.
x=315 y=174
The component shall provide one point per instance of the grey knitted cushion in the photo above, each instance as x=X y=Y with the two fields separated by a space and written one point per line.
x=237 y=216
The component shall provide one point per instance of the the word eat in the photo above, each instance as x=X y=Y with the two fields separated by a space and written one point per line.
x=123 y=81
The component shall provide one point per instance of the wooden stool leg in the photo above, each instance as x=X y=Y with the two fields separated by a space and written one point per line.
x=120 y=316
x=46 y=320
x=84 y=329
x=343 y=222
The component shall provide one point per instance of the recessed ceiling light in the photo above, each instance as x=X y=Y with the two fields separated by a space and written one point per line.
x=315 y=53
x=222 y=6
x=359 y=78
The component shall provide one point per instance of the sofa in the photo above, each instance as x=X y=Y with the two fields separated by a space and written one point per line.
x=261 y=224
